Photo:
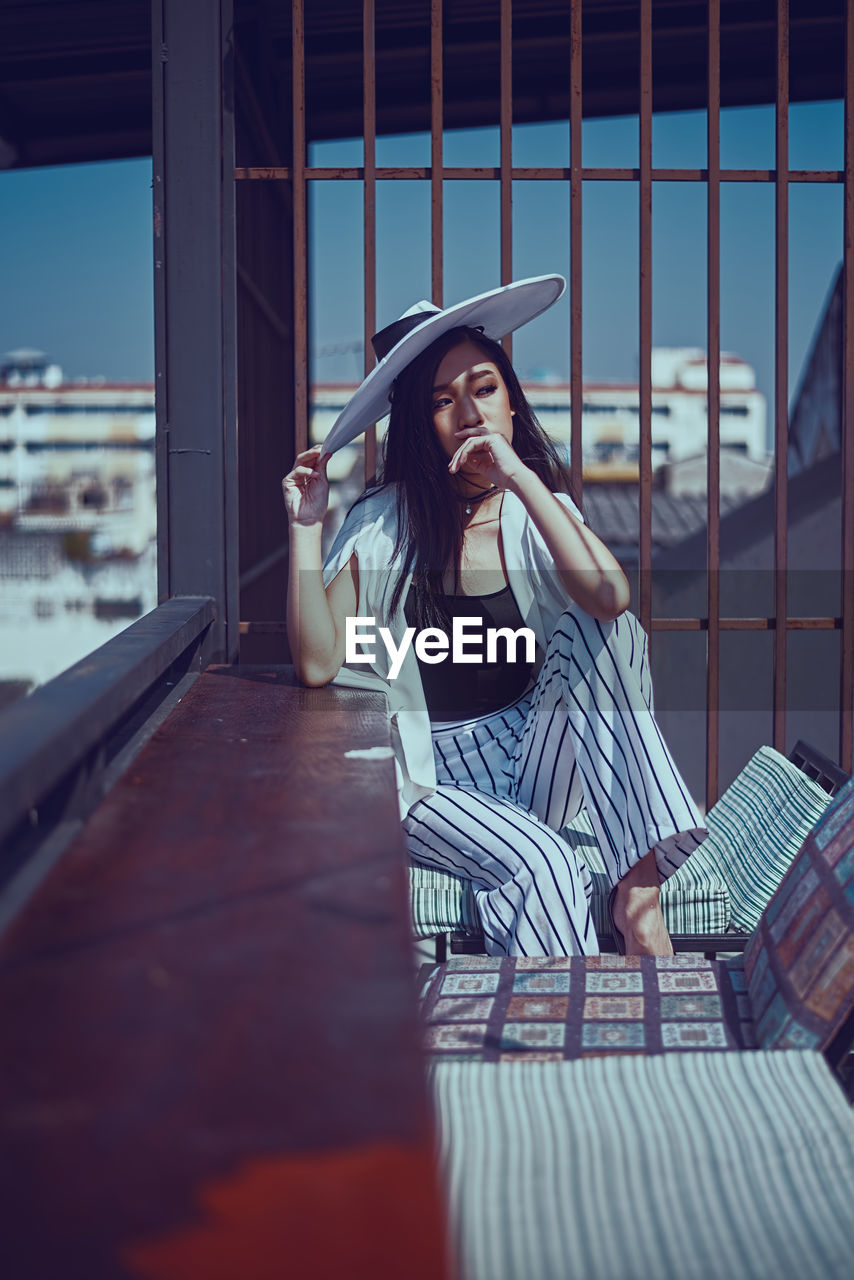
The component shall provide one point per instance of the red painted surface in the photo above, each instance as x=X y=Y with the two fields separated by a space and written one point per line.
x=214 y=990
x=365 y=1213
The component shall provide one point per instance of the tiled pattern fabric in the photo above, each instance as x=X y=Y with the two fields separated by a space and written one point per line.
x=716 y=1166
x=757 y=827
x=694 y=899
x=799 y=963
x=496 y=1009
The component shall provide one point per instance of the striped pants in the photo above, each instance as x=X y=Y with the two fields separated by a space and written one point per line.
x=584 y=735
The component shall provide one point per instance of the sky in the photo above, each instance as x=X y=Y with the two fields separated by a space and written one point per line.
x=76 y=247
x=76 y=262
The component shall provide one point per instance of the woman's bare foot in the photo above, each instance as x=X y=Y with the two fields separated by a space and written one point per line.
x=637 y=911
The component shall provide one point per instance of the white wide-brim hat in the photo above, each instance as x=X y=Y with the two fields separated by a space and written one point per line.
x=497 y=312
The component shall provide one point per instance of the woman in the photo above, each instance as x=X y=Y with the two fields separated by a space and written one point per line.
x=493 y=757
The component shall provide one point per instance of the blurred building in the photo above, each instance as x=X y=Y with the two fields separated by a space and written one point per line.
x=610 y=445
x=610 y=416
x=78 y=520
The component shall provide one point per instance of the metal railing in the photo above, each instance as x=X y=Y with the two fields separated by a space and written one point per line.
x=63 y=745
x=298 y=174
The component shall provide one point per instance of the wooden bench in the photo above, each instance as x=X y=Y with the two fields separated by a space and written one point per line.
x=211 y=1062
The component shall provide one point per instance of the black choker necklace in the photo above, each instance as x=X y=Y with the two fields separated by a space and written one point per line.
x=473 y=502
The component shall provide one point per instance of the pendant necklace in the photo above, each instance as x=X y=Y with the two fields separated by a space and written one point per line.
x=473 y=502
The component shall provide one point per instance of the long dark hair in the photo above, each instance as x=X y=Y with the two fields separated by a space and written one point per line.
x=432 y=520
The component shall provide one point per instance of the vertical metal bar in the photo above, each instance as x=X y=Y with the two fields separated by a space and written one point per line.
x=847 y=638
x=781 y=376
x=369 y=111
x=300 y=228
x=436 y=162
x=228 y=330
x=713 y=365
x=576 y=389
x=506 y=153
x=159 y=56
x=645 y=354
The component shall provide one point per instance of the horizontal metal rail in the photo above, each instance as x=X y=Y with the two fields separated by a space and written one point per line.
x=710 y=944
x=746 y=624
x=492 y=173
x=45 y=736
x=271 y=628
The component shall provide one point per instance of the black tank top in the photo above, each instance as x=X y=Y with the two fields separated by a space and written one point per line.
x=461 y=691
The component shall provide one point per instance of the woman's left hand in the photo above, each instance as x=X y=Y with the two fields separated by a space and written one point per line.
x=487 y=457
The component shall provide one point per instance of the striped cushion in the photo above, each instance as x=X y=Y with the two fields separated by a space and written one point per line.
x=800 y=961
x=694 y=899
x=676 y=1167
x=757 y=827
x=546 y=1009
x=440 y=902
x=755 y=830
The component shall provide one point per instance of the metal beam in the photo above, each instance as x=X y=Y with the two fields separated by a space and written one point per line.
x=195 y=348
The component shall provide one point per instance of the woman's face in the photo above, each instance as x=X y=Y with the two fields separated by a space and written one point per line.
x=470 y=398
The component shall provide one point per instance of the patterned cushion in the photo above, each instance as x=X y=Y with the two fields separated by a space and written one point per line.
x=800 y=961
x=694 y=899
x=677 y=1167
x=756 y=828
x=495 y=1009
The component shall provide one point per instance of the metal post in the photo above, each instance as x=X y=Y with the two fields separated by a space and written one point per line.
x=369 y=133
x=713 y=399
x=847 y=638
x=645 y=324
x=506 y=156
x=300 y=228
x=781 y=376
x=195 y=310
x=576 y=394
x=436 y=153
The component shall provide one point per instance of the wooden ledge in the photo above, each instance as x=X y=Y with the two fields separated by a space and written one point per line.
x=211 y=1009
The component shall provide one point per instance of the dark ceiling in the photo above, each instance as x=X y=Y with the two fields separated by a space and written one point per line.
x=75 y=75
x=541 y=54
x=75 y=79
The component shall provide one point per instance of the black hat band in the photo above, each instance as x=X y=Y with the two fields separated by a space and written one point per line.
x=389 y=337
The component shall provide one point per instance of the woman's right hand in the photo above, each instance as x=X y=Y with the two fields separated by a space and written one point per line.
x=306 y=487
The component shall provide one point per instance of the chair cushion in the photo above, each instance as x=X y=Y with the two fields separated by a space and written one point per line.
x=498 y=1009
x=675 y=1167
x=757 y=827
x=440 y=902
x=799 y=963
x=694 y=899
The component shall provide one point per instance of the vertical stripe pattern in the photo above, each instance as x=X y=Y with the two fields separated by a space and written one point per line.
x=677 y=1167
x=585 y=736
